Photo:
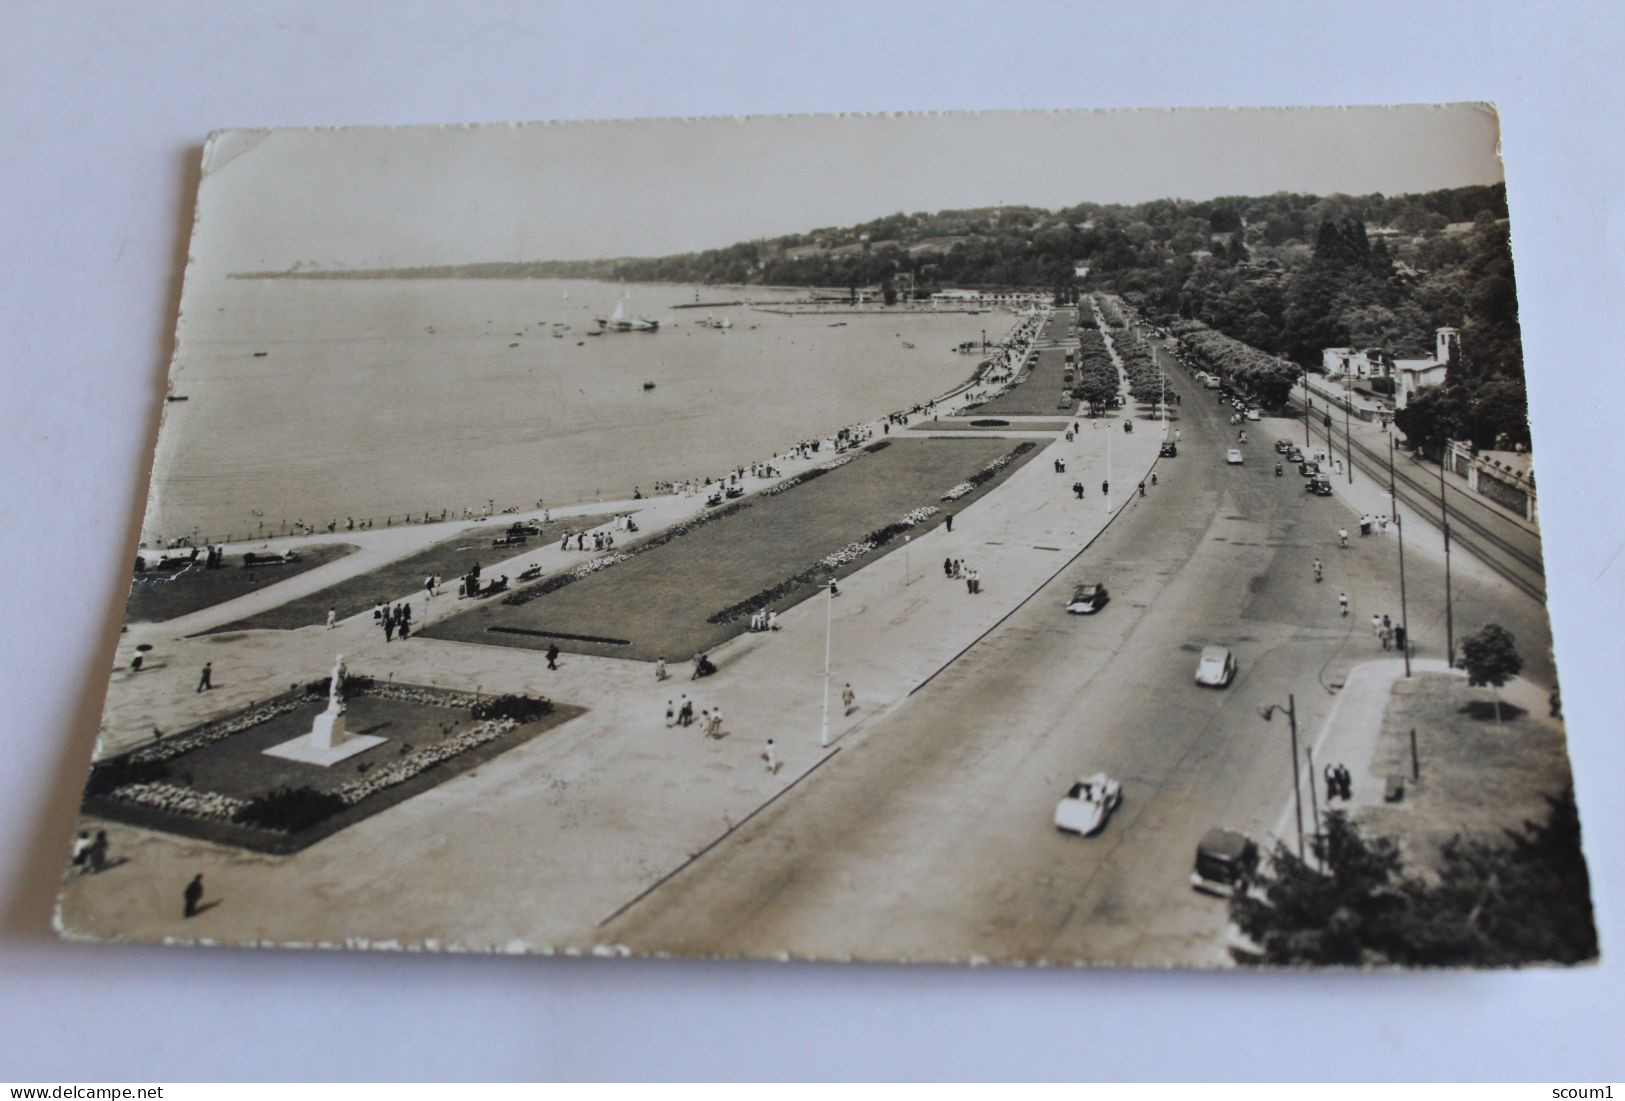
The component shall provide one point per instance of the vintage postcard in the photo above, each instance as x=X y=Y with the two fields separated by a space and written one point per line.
x=1026 y=537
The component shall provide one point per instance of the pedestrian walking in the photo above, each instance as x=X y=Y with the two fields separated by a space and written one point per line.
x=671 y=714
x=389 y=627
x=1142 y=489
x=332 y=618
x=849 y=698
x=771 y=756
x=1105 y=488
x=976 y=582
x=948 y=568
x=1376 y=624
x=96 y=855
x=193 y=895
x=1343 y=603
x=1387 y=637
x=950 y=523
x=714 y=729
x=772 y=621
x=660 y=670
x=1345 y=783
x=553 y=656
x=1332 y=785
x=81 y=850
x=205 y=681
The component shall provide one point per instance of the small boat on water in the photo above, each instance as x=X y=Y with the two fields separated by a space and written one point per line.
x=176 y=397
x=261 y=355
x=906 y=344
x=648 y=386
x=837 y=324
x=618 y=322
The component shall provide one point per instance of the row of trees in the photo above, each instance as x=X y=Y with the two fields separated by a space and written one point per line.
x=1268 y=378
x=1097 y=374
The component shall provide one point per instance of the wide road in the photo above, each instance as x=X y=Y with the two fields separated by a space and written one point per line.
x=930 y=838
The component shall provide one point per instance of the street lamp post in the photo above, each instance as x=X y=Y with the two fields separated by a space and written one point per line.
x=1399 y=535
x=1348 y=440
x=1291 y=710
x=829 y=607
x=1444 y=521
x=1307 y=404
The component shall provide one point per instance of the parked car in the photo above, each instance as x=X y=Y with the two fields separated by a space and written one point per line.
x=1225 y=859
x=1254 y=415
x=1319 y=485
x=1233 y=456
x=1087 y=804
x=1308 y=469
x=1216 y=668
x=1294 y=456
x=1168 y=450
x=1088 y=599
x=1283 y=446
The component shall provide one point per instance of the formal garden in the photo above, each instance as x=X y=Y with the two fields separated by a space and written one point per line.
x=165 y=588
x=447 y=558
x=216 y=781
x=690 y=587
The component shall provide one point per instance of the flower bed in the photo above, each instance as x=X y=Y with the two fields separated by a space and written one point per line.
x=808 y=475
x=209 y=733
x=398 y=772
x=179 y=800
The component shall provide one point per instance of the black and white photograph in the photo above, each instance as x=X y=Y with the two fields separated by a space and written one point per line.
x=1047 y=537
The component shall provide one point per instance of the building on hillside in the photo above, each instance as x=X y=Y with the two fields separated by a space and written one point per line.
x=1413 y=374
x=1355 y=363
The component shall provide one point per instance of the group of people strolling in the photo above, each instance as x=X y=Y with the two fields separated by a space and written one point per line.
x=955 y=570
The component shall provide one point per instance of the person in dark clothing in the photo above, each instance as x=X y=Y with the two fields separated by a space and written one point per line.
x=193 y=895
x=206 y=679
x=553 y=657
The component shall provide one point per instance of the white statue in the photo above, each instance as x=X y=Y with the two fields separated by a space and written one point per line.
x=335 y=691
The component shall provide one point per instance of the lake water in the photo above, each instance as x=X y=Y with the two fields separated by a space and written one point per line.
x=380 y=397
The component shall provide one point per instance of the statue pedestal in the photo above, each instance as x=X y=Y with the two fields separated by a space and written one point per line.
x=328 y=742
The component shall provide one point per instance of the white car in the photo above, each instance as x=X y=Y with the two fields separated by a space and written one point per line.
x=1217 y=667
x=1233 y=456
x=1087 y=804
x=1254 y=415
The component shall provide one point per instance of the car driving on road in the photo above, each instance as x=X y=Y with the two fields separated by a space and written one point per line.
x=1233 y=456
x=1088 y=599
x=1283 y=446
x=1217 y=667
x=1309 y=469
x=1087 y=804
x=1319 y=485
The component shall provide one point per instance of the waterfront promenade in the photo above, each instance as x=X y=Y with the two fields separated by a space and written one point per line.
x=536 y=847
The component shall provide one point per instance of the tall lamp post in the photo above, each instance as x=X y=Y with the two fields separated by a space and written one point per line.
x=1444 y=521
x=1399 y=535
x=829 y=607
x=1307 y=405
x=1291 y=710
x=1348 y=440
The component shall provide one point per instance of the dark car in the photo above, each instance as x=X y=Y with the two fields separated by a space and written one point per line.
x=1308 y=469
x=1088 y=599
x=1294 y=456
x=1168 y=450
x=1283 y=446
x=1319 y=486
x=1225 y=859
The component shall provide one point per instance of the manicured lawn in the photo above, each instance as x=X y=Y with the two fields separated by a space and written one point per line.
x=450 y=558
x=971 y=426
x=237 y=766
x=1478 y=777
x=1038 y=395
x=659 y=602
x=156 y=597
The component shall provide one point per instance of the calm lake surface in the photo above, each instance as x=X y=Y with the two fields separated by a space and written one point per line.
x=382 y=397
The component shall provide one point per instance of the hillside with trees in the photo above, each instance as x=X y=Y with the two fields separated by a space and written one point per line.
x=1284 y=274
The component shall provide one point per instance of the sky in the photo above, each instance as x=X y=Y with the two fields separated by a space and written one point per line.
x=385 y=197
